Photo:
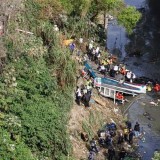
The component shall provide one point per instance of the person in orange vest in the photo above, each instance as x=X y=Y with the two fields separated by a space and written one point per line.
x=123 y=71
x=120 y=97
x=157 y=87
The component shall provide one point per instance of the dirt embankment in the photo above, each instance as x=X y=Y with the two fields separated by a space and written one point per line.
x=89 y=121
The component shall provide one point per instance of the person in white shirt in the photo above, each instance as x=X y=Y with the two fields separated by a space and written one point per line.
x=78 y=95
x=116 y=68
x=102 y=69
x=128 y=75
x=97 y=49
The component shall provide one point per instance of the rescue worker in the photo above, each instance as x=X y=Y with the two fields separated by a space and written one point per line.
x=120 y=138
x=157 y=87
x=129 y=75
x=137 y=129
x=123 y=70
x=126 y=131
x=120 y=97
x=86 y=99
x=102 y=69
x=131 y=135
x=111 y=153
x=122 y=154
x=93 y=145
x=78 y=95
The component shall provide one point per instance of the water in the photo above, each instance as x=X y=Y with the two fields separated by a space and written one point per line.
x=150 y=127
x=145 y=40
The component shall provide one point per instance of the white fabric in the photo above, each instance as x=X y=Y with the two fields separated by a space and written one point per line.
x=79 y=93
x=134 y=76
x=97 y=49
x=129 y=74
x=94 y=51
x=81 y=40
x=116 y=68
x=99 y=55
x=90 y=46
x=56 y=28
x=102 y=68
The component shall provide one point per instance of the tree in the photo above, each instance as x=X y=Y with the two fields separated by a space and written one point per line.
x=129 y=18
x=103 y=6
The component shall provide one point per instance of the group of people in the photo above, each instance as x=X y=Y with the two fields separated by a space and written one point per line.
x=83 y=93
x=109 y=137
x=108 y=66
x=155 y=87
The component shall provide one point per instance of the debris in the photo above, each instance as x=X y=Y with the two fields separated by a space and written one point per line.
x=153 y=103
x=84 y=137
x=115 y=110
x=20 y=30
x=99 y=101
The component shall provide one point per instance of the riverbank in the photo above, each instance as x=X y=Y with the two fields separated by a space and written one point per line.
x=146 y=39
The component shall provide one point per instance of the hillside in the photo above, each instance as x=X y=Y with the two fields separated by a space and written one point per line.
x=38 y=76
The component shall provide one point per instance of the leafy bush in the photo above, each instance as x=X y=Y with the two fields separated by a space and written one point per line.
x=40 y=107
x=128 y=18
x=10 y=149
x=156 y=156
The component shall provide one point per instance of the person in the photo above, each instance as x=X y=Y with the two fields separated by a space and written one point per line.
x=156 y=87
x=92 y=155
x=86 y=99
x=78 y=95
x=137 y=129
x=80 y=42
x=102 y=69
x=131 y=135
x=93 y=54
x=120 y=138
x=90 y=45
x=133 y=76
x=126 y=132
x=109 y=140
x=116 y=68
x=72 y=47
x=55 y=28
x=128 y=124
x=83 y=73
x=123 y=70
x=120 y=97
x=149 y=86
x=93 y=146
x=122 y=154
x=111 y=153
x=129 y=75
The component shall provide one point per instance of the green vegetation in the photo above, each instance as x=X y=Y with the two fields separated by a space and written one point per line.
x=92 y=124
x=156 y=156
x=39 y=76
x=129 y=18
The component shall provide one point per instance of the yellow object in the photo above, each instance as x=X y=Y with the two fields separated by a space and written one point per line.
x=149 y=88
x=67 y=42
x=125 y=130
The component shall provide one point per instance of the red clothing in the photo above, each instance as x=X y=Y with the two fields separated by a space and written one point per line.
x=157 y=87
x=119 y=96
x=123 y=71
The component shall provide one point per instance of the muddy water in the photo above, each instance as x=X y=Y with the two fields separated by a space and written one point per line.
x=144 y=41
x=149 y=125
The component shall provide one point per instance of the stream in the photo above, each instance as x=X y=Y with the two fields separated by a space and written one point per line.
x=140 y=53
